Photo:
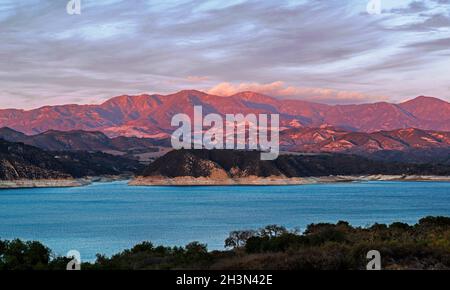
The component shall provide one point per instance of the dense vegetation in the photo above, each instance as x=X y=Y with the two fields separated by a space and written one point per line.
x=435 y=155
x=344 y=164
x=425 y=245
x=82 y=163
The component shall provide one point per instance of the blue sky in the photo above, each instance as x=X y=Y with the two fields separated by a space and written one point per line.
x=329 y=51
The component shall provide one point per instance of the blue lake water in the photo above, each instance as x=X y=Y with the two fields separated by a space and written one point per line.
x=109 y=217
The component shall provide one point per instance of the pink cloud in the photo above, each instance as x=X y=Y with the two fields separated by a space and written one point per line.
x=197 y=79
x=281 y=90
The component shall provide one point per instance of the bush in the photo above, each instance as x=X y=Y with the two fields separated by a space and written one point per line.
x=18 y=255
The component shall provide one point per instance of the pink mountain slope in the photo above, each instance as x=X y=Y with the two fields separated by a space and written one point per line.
x=150 y=115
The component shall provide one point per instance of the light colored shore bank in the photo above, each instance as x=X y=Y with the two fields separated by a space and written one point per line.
x=205 y=181
x=37 y=183
x=274 y=180
x=26 y=183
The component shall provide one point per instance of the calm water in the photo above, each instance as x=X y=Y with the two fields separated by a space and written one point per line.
x=108 y=217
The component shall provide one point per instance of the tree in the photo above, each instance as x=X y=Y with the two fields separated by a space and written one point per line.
x=143 y=247
x=196 y=252
x=17 y=255
x=196 y=248
x=273 y=231
x=37 y=254
x=3 y=245
x=237 y=239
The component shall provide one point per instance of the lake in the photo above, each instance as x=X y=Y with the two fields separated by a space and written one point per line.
x=109 y=217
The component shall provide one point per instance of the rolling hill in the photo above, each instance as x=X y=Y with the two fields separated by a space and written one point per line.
x=20 y=161
x=330 y=139
x=79 y=140
x=219 y=164
x=407 y=145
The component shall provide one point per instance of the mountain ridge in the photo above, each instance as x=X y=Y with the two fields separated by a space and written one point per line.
x=79 y=140
x=223 y=164
x=149 y=115
x=324 y=139
x=330 y=139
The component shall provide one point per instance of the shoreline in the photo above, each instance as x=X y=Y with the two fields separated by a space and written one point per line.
x=206 y=181
x=42 y=183
x=58 y=183
x=275 y=180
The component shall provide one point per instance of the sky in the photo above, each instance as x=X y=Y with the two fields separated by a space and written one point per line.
x=328 y=51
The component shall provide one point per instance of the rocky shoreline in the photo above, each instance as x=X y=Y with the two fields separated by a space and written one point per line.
x=38 y=183
x=273 y=180
x=69 y=182
x=207 y=181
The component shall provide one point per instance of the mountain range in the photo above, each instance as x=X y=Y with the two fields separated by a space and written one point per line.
x=413 y=142
x=150 y=115
x=78 y=140
x=330 y=139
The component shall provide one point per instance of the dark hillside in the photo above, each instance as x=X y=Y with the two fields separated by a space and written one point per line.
x=203 y=163
x=20 y=161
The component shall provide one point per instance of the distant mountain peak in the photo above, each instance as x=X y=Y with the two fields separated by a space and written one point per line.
x=428 y=108
x=425 y=99
x=195 y=93
x=124 y=99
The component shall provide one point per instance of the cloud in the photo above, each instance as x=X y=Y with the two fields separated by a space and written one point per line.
x=281 y=90
x=423 y=16
x=441 y=44
x=413 y=7
x=125 y=47
x=197 y=79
